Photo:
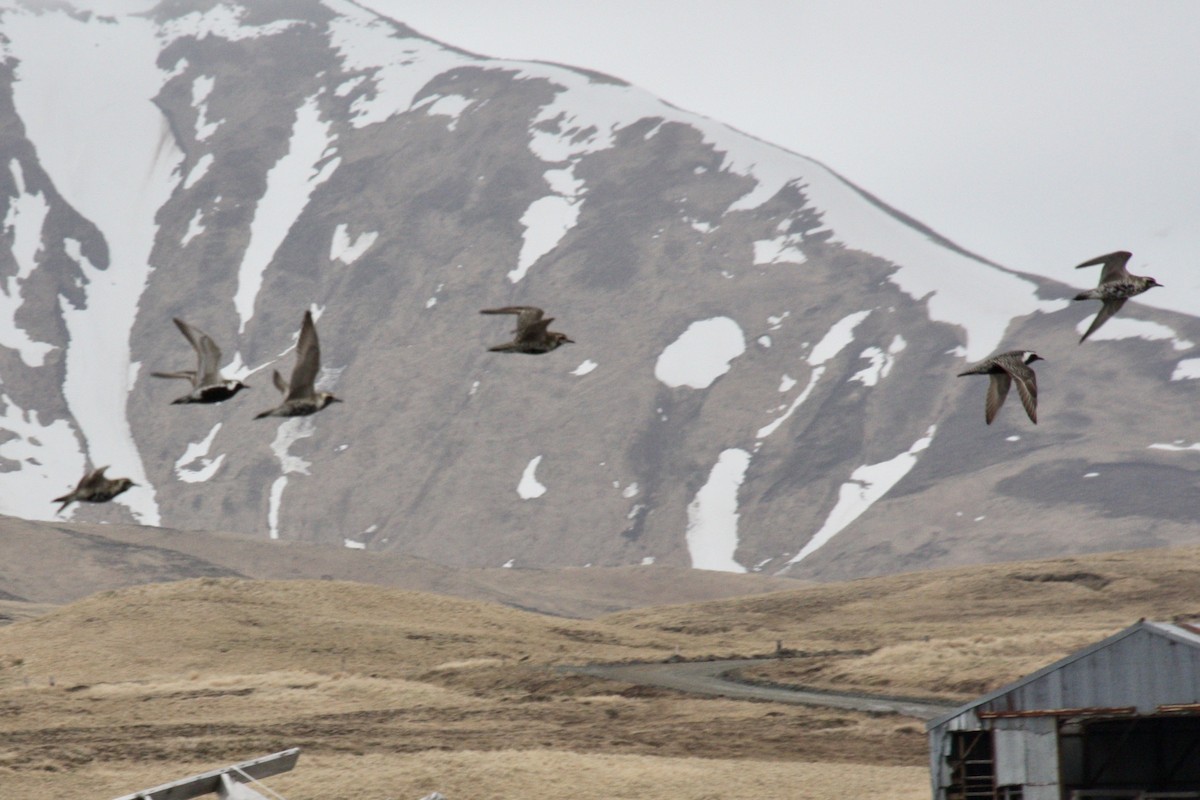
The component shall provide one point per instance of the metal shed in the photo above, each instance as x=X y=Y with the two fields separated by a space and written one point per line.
x=1119 y=720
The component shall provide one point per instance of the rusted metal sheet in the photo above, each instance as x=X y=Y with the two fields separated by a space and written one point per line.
x=1093 y=711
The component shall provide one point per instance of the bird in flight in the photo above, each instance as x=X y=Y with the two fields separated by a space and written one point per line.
x=532 y=334
x=1115 y=287
x=208 y=385
x=1004 y=369
x=94 y=488
x=300 y=398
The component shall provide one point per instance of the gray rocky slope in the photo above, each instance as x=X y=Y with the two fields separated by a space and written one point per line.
x=764 y=369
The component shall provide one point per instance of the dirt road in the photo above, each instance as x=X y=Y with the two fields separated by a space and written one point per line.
x=714 y=678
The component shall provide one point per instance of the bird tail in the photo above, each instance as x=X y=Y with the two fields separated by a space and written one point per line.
x=66 y=500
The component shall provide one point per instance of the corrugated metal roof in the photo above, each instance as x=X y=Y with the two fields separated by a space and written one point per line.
x=1185 y=634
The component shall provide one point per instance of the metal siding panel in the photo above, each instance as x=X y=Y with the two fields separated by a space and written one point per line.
x=1009 y=747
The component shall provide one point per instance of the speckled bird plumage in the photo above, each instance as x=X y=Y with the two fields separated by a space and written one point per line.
x=1004 y=369
x=300 y=397
x=94 y=488
x=532 y=334
x=1115 y=287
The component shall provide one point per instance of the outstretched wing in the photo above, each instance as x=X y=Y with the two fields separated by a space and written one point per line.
x=527 y=316
x=308 y=362
x=93 y=478
x=1026 y=381
x=1114 y=265
x=1106 y=311
x=210 y=361
x=997 y=391
x=189 y=374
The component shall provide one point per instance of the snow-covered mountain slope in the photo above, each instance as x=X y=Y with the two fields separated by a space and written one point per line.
x=763 y=377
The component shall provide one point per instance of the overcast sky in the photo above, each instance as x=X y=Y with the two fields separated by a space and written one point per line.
x=1036 y=133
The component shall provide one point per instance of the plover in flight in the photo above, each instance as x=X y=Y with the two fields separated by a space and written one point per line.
x=1115 y=287
x=299 y=397
x=208 y=385
x=94 y=488
x=532 y=334
x=1004 y=369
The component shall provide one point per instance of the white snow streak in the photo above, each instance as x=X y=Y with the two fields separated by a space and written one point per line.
x=712 y=536
x=529 y=488
x=780 y=250
x=881 y=362
x=1175 y=448
x=451 y=105
x=837 y=338
x=701 y=354
x=867 y=484
x=195 y=228
x=290 y=183
x=26 y=215
x=767 y=430
x=201 y=89
x=546 y=222
x=1186 y=370
x=341 y=248
x=1129 y=328
x=583 y=369
x=49 y=462
x=289 y=432
x=194 y=466
x=105 y=88
x=198 y=171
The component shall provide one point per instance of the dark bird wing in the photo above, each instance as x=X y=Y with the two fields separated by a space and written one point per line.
x=1026 y=381
x=280 y=383
x=997 y=391
x=1109 y=308
x=526 y=316
x=533 y=331
x=1114 y=265
x=92 y=479
x=308 y=362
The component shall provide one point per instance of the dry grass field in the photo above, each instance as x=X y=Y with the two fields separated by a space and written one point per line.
x=394 y=694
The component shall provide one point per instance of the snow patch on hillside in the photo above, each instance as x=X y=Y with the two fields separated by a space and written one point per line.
x=867 y=484
x=287 y=434
x=529 y=487
x=47 y=458
x=398 y=67
x=343 y=249
x=450 y=105
x=712 y=537
x=1129 y=328
x=701 y=354
x=837 y=338
x=1186 y=370
x=195 y=466
x=201 y=88
x=881 y=362
x=290 y=184
x=106 y=88
x=780 y=250
x=26 y=215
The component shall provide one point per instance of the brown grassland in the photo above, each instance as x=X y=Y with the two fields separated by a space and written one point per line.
x=394 y=694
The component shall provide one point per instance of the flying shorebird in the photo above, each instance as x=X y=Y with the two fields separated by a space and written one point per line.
x=1115 y=287
x=1005 y=368
x=532 y=334
x=208 y=385
x=94 y=488
x=299 y=397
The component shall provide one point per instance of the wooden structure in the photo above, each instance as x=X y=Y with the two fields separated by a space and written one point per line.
x=228 y=783
x=1119 y=720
